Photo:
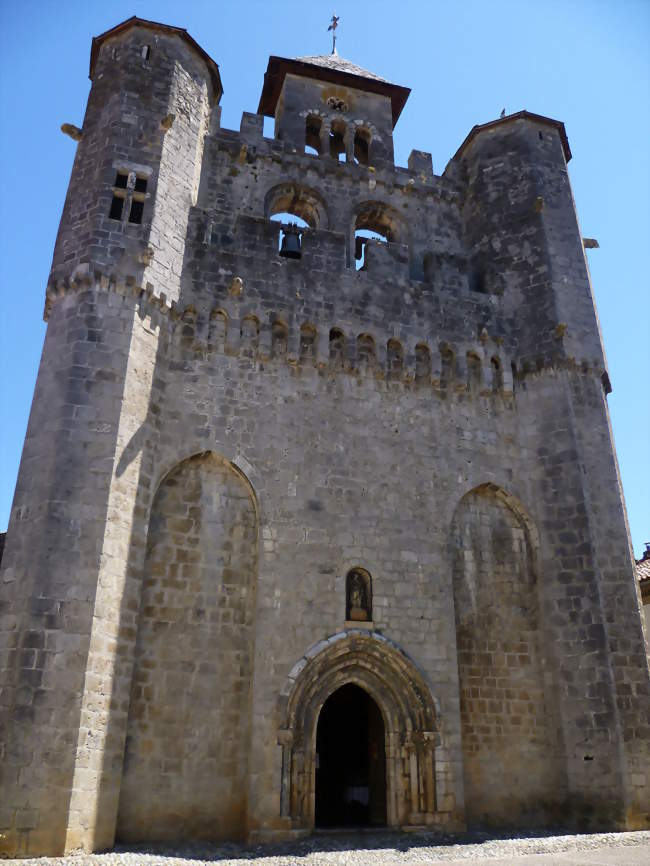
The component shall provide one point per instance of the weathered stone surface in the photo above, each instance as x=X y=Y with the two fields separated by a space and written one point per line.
x=221 y=434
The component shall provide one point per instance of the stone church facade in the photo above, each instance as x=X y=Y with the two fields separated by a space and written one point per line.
x=318 y=522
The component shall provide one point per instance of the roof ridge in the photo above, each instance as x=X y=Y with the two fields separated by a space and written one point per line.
x=335 y=61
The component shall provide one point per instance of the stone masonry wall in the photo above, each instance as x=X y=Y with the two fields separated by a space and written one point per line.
x=52 y=561
x=325 y=418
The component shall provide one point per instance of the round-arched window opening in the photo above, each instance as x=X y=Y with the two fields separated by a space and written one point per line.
x=313 y=130
x=361 y=236
x=362 y=146
x=338 y=140
x=292 y=202
x=377 y=222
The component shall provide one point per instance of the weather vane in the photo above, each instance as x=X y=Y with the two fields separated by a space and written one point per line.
x=332 y=27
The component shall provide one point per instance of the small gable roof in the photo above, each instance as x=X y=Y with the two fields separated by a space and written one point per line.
x=327 y=67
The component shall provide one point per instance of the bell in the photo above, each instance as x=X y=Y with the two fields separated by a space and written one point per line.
x=290 y=248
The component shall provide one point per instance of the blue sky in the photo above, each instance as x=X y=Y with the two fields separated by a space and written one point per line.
x=585 y=62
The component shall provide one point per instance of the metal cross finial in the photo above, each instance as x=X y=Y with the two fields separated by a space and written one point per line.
x=332 y=27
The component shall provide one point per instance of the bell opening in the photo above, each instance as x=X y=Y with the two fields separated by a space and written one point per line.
x=290 y=235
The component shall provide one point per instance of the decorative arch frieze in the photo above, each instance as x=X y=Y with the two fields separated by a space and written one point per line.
x=390 y=677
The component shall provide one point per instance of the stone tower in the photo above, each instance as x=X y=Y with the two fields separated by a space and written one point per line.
x=319 y=517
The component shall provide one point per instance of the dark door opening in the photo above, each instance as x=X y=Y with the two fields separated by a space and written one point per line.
x=350 y=761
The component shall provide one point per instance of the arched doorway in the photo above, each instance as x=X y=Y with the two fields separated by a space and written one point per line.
x=387 y=676
x=350 y=761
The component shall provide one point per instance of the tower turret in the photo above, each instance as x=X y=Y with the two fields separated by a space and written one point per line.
x=138 y=162
x=523 y=241
x=68 y=578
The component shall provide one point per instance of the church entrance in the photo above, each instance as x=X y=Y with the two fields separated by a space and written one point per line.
x=350 y=761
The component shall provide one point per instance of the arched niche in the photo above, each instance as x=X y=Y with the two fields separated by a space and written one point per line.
x=337 y=345
x=366 y=354
x=279 y=338
x=308 y=340
x=299 y=200
x=358 y=595
x=391 y=679
x=512 y=760
x=422 y=364
x=185 y=761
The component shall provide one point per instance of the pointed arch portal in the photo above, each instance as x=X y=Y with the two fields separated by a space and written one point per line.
x=350 y=761
x=360 y=676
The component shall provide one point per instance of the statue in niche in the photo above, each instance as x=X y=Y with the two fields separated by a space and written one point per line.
x=358 y=596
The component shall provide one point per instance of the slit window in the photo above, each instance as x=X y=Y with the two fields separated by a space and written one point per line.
x=337 y=140
x=145 y=52
x=312 y=135
x=362 y=147
x=477 y=281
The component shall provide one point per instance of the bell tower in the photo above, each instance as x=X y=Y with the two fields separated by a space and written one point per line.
x=332 y=107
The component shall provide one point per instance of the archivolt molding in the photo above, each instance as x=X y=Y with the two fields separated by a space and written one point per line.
x=299 y=199
x=391 y=678
x=226 y=454
x=511 y=501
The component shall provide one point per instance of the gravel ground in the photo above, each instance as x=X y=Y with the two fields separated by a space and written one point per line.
x=366 y=849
